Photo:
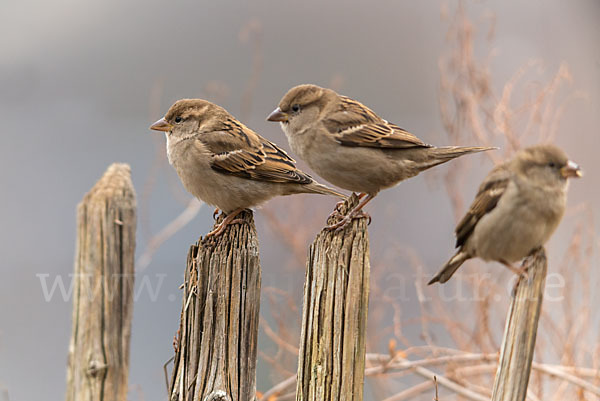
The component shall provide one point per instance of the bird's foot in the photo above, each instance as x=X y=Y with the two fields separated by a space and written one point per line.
x=336 y=214
x=220 y=229
x=215 y=213
x=337 y=210
x=338 y=206
x=360 y=214
x=355 y=214
x=340 y=224
x=238 y=221
x=216 y=232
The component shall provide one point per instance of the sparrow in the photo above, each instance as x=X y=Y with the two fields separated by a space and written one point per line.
x=353 y=148
x=517 y=208
x=225 y=164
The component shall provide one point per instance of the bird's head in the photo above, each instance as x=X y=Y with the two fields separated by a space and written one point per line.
x=301 y=107
x=186 y=117
x=546 y=165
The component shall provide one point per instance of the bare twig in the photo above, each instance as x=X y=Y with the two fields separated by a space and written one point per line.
x=167 y=232
x=413 y=391
x=286 y=385
x=558 y=372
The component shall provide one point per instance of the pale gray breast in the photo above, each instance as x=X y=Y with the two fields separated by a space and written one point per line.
x=522 y=221
x=168 y=145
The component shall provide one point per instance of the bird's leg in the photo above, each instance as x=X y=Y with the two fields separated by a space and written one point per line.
x=336 y=210
x=215 y=213
x=355 y=213
x=229 y=219
x=521 y=271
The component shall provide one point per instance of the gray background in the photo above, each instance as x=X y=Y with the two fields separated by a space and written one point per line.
x=81 y=81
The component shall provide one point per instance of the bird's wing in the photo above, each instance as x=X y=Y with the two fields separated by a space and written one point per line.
x=239 y=151
x=489 y=193
x=354 y=124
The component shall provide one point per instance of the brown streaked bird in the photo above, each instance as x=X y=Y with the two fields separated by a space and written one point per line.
x=516 y=210
x=225 y=164
x=353 y=148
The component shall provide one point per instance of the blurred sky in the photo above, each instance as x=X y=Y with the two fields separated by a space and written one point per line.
x=81 y=81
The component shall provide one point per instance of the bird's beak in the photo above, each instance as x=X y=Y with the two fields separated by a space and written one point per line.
x=278 y=115
x=161 y=125
x=572 y=169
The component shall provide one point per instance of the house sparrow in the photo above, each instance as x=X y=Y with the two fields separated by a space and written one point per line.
x=516 y=210
x=350 y=146
x=224 y=163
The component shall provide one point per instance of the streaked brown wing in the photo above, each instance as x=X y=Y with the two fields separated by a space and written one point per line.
x=490 y=192
x=228 y=135
x=354 y=124
x=242 y=152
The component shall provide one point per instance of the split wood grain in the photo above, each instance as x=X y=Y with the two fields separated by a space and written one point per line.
x=98 y=361
x=334 y=318
x=518 y=344
x=217 y=338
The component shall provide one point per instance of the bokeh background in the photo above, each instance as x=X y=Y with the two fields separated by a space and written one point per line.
x=81 y=81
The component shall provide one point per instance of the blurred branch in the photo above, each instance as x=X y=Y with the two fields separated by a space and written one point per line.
x=279 y=388
x=477 y=363
x=277 y=339
x=167 y=232
x=562 y=372
x=398 y=363
x=412 y=392
x=451 y=385
x=294 y=239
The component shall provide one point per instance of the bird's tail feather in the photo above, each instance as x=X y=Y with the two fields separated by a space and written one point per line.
x=446 y=153
x=325 y=190
x=450 y=268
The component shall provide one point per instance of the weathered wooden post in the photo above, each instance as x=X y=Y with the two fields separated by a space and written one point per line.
x=98 y=365
x=516 y=354
x=331 y=362
x=215 y=359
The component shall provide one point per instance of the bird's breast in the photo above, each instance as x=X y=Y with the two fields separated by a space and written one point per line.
x=169 y=153
x=522 y=220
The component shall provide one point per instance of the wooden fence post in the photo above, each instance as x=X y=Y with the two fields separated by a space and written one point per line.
x=215 y=355
x=518 y=344
x=331 y=362
x=98 y=364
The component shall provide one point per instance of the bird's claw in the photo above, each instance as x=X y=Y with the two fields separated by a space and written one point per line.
x=334 y=215
x=215 y=233
x=340 y=225
x=365 y=215
x=238 y=221
x=337 y=211
x=220 y=229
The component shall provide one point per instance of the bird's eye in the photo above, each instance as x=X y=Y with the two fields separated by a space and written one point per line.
x=178 y=119
x=552 y=165
x=296 y=108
